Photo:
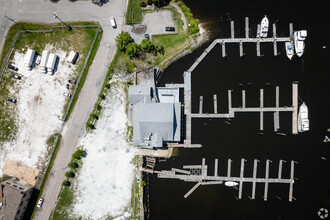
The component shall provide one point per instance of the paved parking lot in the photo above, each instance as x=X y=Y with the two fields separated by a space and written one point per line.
x=155 y=23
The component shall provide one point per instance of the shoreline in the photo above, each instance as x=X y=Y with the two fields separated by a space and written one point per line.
x=203 y=38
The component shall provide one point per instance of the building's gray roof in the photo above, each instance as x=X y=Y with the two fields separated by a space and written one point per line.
x=154 y=123
x=168 y=95
x=138 y=93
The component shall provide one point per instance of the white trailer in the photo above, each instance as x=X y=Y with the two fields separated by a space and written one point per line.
x=51 y=63
x=72 y=56
x=29 y=57
x=43 y=63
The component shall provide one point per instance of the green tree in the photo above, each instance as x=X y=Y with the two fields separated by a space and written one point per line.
x=123 y=39
x=147 y=45
x=132 y=49
x=70 y=174
x=193 y=28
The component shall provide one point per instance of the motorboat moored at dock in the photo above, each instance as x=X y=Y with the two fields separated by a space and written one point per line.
x=289 y=50
x=264 y=27
x=303 y=122
x=231 y=183
x=299 y=42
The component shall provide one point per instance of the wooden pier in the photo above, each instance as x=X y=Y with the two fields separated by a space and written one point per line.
x=261 y=109
x=247 y=39
x=198 y=173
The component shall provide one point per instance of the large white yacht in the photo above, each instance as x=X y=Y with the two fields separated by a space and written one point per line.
x=303 y=122
x=264 y=27
x=299 y=44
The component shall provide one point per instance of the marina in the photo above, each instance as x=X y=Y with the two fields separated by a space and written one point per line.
x=199 y=174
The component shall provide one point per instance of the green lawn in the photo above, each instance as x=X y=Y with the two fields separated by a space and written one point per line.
x=133 y=12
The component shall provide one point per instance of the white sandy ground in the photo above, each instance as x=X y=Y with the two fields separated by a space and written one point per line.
x=40 y=104
x=104 y=183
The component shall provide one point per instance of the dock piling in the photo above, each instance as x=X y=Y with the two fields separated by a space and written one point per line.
x=216 y=167
x=266 y=180
x=243 y=98
x=291 y=30
x=295 y=108
x=223 y=49
x=241 y=179
x=258 y=49
x=229 y=167
x=232 y=29
x=292 y=181
x=277 y=113
x=200 y=104
x=255 y=164
x=247 y=27
x=261 y=112
x=215 y=103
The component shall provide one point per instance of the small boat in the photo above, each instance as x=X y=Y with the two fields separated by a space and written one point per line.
x=231 y=183
x=303 y=122
x=264 y=27
x=289 y=50
x=299 y=44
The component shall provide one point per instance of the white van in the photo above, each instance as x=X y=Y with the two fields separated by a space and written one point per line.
x=113 y=22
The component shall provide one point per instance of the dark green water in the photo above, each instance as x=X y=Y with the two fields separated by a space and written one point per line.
x=216 y=75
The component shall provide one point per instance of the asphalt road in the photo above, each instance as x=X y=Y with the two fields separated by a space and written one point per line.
x=41 y=11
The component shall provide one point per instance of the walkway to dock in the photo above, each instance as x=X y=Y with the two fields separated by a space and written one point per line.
x=257 y=40
x=198 y=173
x=261 y=109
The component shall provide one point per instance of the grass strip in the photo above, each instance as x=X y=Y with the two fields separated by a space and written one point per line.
x=84 y=75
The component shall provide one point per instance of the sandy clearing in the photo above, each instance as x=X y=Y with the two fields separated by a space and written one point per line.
x=40 y=104
x=104 y=183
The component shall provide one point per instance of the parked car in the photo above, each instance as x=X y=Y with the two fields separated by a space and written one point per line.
x=146 y=36
x=14 y=76
x=66 y=94
x=170 y=29
x=113 y=22
x=12 y=67
x=40 y=202
x=11 y=100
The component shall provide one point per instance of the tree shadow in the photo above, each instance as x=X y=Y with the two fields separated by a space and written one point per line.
x=54 y=1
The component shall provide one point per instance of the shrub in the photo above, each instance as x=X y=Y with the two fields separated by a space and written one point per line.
x=91 y=126
x=193 y=28
x=150 y=2
x=78 y=154
x=73 y=165
x=70 y=174
x=143 y=4
x=66 y=183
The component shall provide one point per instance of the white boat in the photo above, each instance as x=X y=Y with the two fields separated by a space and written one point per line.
x=231 y=183
x=264 y=27
x=299 y=44
x=289 y=50
x=303 y=122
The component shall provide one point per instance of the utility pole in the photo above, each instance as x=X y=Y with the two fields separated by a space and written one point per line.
x=56 y=16
x=16 y=23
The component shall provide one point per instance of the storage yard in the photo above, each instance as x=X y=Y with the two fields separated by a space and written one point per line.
x=37 y=88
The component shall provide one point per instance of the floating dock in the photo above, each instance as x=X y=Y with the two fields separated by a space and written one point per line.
x=198 y=173
x=261 y=109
